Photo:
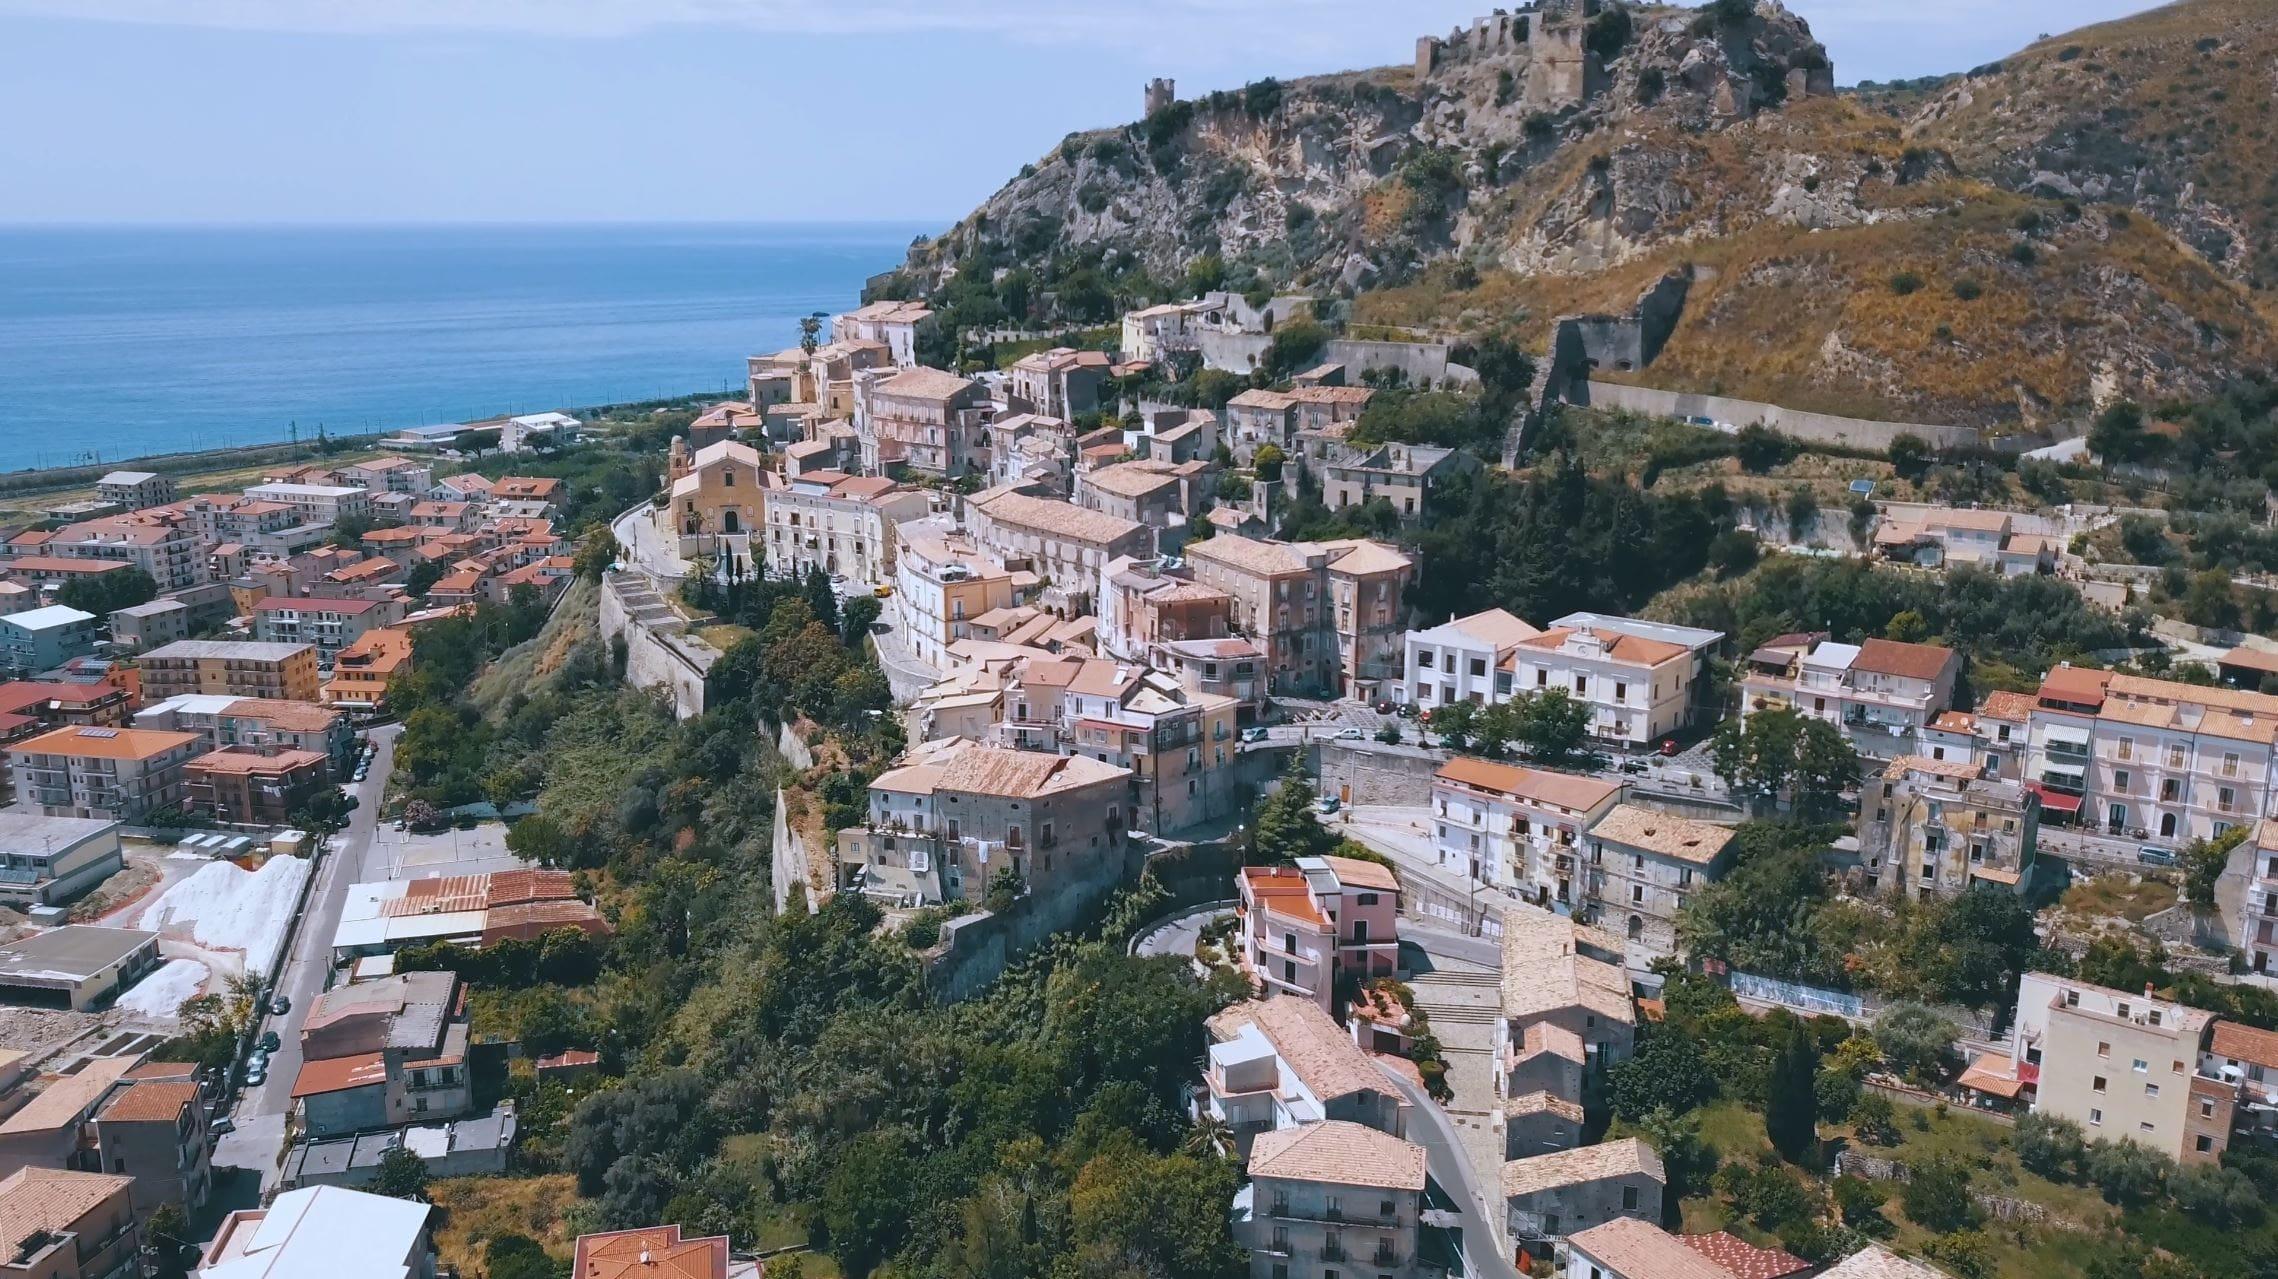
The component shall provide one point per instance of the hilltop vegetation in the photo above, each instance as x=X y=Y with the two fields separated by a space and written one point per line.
x=2090 y=219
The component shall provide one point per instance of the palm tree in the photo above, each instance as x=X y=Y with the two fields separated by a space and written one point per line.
x=1210 y=1136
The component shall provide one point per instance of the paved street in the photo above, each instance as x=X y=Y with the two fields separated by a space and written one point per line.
x=1450 y=1169
x=640 y=547
x=258 y=1143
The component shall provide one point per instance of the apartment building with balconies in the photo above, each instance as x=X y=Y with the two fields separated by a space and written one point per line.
x=1177 y=744
x=2149 y=759
x=2125 y=1066
x=1881 y=693
x=1645 y=866
x=1061 y=382
x=115 y=774
x=1281 y=1062
x=42 y=639
x=943 y=580
x=958 y=818
x=135 y=490
x=846 y=526
x=1067 y=546
x=233 y=667
x=171 y=554
x=328 y=624
x=1936 y=828
x=1636 y=679
x=932 y=422
x=1147 y=603
x=1522 y=830
x=1333 y=1198
x=898 y=326
x=155 y=1131
x=1302 y=928
x=1329 y=615
x=317 y=503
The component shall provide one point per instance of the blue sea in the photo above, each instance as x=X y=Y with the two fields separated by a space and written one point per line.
x=124 y=342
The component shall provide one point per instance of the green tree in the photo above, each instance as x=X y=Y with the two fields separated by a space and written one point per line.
x=512 y=1256
x=1907 y=627
x=1790 y=1101
x=1456 y=723
x=1685 y=1158
x=864 y=1199
x=167 y=1235
x=1760 y=449
x=106 y=593
x=1780 y=752
x=2224 y=1198
x=1915 y=1040
x=2128 y=1174
x=1667 y=1072
x=1267 y=462
x=1135 y=1213
x=1296 y=345
x=1286 y=826
x=1910 y=456
x=1968 y=1254
x=1553 y=725
x=1937 y=1195
x=1875 y=1120
x=2117 y=434
x=1495 y=727
x=596 y=551
x=2050 y=1145
x=402 y=1175
x=1860 y=1204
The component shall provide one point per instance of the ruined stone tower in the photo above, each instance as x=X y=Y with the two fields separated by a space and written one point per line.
x=1161 y=92
x=1561 y=71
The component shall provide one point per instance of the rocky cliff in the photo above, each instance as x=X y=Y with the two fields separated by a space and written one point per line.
x=2089 y=219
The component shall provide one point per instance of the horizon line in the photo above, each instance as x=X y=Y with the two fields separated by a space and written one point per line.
x=395 y=224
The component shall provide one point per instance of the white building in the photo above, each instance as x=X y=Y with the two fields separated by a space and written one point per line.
x=1638 y=689
x=1281 y=1062
x=897 y=325
x=317 y=503
x=1881 y=693
x=844 y=525
x=1522 y=830
x=134 y=490
x=1463 y=660
x=1337 y=1193
x=324 y=1230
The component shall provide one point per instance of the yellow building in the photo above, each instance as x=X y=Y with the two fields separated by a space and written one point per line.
x=717 y=500
x=230 y=668
x=361 y=671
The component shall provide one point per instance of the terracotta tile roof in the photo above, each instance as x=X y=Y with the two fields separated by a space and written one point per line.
x=1637 y=1249
x=1317 y=1050
x=1535 y=785
x=922 y=383
x=993 y=770
x=1679 y=837
x=1131 y=479
x=1354 y=872
x=81 y=742
x=149 y=1102
x=1339 y=1153
x=1559 y=1169
x=2254 y=659
x=1907 y=661
x=1877 y=1262
x=1282 y=890
x=1621 y=647
x=62 y=1102
x=509 y=887
x=568 y=1058
x=1550 y=1037
x=339 y=1074
x=530 y=919
x=1542 y=1103
x=1544 y=970
x=1362 y=558
x=1060 y=519
x=255 y=763
x=2245 y=1043
x=652 y=1252
x=1744 y=1259
x=51 y=1200
x=2075 y=684
x=1954 y=769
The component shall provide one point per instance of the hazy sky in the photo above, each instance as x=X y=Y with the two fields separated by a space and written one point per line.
x=736 y=110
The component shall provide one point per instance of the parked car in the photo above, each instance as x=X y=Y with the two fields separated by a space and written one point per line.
x=1383 y=706
x=1668 y=747
x=2150 y=856
x=279 y=1006
x=1253 y=734
x=1633 y=767
x=269 y=1041
x=1326 y=805
x=257 y=1074
x=222 y=1125
x=1407 y=710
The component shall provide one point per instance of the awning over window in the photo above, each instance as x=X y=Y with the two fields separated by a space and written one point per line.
x=2055 y=801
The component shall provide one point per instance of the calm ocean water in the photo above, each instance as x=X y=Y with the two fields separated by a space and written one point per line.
x=122 y=342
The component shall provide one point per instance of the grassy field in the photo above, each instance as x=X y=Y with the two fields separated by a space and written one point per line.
x=1737 y=1133
x=477 y=1209
x=2120 y=895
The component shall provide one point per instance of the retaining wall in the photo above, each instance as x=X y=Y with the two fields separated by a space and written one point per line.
x=653 y=659
x=1818 y=428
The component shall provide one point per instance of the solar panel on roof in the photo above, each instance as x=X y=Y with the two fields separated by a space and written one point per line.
x=99 y=732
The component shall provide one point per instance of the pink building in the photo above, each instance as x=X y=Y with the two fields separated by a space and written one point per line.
x=1306 y=925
